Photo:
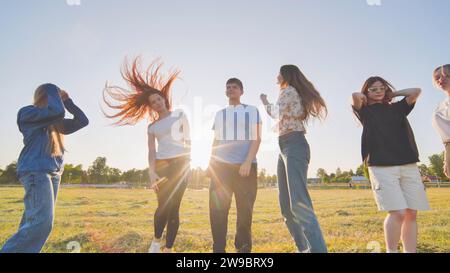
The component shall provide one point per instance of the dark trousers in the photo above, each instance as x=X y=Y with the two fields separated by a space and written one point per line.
x=169 y=196
x=226 y=181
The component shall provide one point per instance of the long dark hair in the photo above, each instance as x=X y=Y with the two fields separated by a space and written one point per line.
x=133 y=104
x=389 y=87
x=56 y=138
x=312 y=102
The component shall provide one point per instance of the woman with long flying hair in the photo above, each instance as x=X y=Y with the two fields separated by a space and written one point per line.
x=40 y=163
x=389 y=149
x=297 y=103
x=149 y=98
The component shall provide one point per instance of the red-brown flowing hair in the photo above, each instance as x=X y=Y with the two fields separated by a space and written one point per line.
x=133 y=105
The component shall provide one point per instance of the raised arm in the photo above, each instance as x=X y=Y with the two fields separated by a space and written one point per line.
x=358 y=100
x=411 y=94
x=268 y=106
x=42 y=117
x=79 y=120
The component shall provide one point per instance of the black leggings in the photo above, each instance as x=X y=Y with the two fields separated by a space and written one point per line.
x=169 y=196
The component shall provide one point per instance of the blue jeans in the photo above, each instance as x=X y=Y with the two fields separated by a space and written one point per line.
x=41 y=190
x=295 y=202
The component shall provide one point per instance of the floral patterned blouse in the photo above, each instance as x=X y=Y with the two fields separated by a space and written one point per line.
x=288 y=110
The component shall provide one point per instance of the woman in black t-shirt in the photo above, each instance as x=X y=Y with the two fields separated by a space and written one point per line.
x=389 y=149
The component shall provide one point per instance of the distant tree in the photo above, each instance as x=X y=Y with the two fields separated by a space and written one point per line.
x=130 y=175
x=272 y=179
x=332 y=177
x=73 y=174
x=135 y=176
x=360 y=170
x=345 y=177
x=351 y=173
x=114 y=175
x=262 y=179
x=424 y=171
x=437 y=165
x=98 y=171
x=363 y=170
x=9 y=175
x=322 y=174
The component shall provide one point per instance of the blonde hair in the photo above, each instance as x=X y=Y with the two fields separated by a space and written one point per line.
x=56 y=138
x=444 y=70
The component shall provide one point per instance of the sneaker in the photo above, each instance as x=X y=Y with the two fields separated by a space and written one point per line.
x=155 y=247
x=168 y=250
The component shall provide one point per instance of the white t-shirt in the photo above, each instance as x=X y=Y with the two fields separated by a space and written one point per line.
x=171 y=133
x=441 y=120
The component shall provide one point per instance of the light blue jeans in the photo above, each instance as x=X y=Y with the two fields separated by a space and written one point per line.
x=295 y=202
x=41 y=190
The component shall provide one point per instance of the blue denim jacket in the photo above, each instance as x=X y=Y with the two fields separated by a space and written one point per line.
x=33 y=123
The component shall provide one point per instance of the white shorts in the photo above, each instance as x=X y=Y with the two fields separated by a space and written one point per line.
x=398 y=188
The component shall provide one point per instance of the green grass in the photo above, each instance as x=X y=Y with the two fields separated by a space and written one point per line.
x=121 y=220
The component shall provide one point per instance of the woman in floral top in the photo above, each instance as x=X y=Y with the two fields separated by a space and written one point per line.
x=288 y=111
x=297 y=103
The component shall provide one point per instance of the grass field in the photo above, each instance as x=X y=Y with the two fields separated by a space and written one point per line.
x=121 y=220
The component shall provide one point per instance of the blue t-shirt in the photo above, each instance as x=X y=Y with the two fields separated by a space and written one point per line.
x=234 y=129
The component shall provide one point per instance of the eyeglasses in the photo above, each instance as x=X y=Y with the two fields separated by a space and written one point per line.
x=377 y=89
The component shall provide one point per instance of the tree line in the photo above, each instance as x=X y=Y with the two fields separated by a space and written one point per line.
x=100 y=173
x=433 y=171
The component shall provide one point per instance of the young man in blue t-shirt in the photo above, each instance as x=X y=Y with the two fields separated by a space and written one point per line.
x=233 y=168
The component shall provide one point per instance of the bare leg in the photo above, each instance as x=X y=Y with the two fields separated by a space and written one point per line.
x=392 y=229
x=409 y=232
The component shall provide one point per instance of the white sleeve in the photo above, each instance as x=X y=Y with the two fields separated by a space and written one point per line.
x=218 y=125
x=442 y=126
x=255 y=125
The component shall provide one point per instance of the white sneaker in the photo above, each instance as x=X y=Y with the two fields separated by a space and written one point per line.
x=155 y=247
x=304 y=251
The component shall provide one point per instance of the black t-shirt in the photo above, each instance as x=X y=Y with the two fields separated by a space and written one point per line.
x=387 y=138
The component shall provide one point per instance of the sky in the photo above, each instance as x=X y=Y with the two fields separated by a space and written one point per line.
x=81 y=44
